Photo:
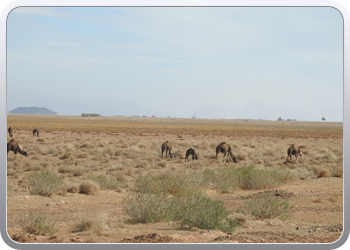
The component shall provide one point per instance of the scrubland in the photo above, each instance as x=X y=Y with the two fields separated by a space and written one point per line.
x=104 y=180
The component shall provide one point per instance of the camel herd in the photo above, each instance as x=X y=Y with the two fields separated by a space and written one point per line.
x=223 y=148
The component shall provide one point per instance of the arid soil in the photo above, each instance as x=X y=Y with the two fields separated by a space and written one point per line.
x=78 y=148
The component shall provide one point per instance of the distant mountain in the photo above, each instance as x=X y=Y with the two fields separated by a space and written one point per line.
x=68 y=106
x=32 y=110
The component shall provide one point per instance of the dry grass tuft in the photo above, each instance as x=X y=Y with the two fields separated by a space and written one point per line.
x=87 y=145
x=321 y=172
x=89 y=187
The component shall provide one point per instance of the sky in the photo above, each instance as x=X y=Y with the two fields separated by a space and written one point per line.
x=178 y=59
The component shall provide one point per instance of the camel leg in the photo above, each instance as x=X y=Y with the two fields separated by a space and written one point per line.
x=290 y=157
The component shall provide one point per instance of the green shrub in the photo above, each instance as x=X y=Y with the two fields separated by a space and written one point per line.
x=38 y=224
x=267 y=206
x=44 y=182
x=148 y=207
x=195 y=209
x=229 y=225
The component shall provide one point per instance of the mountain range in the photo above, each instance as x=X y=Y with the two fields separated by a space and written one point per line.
x=110 y=107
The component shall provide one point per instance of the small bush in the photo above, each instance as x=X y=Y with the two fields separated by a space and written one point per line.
x=321 y=172
x=267 y=206
x=229 y=225
x=38 y=224
x=44 y=182
x=78 y=171
x=195 y=209
x=83 y=225
x=148 y=207
x=73 y=188
x=64 y=169
x=89 y=187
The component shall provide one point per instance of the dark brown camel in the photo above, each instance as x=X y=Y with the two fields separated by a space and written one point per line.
x=226 y=150
x=35 y=131
x=166 y=146
x=10 y=131
x=294 y=150
x=191 y=152
x=14 y=147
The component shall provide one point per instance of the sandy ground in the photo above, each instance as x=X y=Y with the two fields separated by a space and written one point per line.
x=316 y=191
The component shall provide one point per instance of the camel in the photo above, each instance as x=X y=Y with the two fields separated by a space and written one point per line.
x=294 y=150
x=35 y=131
x=226 y=150
x=10 y=131
x=167 y=147
x=191 y=152
x=13 y=146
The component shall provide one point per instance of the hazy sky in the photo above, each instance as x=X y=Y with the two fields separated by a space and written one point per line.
x=179 y=59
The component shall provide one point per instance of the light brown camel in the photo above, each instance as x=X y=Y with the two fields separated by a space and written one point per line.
x=294 y=150
x=35 y=131
x=10 y=131
x=224 y=148
x=14 y=147
x=192 y=152
x=166 y=146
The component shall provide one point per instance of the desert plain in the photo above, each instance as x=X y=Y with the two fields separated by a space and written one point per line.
x=110 y=168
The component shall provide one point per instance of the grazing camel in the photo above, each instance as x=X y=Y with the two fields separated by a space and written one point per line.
x=167 y=147
x=10 y=131
x=224 y=148
x=13 y=146
x=191 y=152
x=294 y=150
x=35 y=131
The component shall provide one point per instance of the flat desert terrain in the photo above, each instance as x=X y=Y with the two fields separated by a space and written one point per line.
x=104 y=180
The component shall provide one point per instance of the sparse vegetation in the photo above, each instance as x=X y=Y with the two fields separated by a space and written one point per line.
x=195 y=209
x=148 y=207
x=110 y=182
x=37 y=223
x=44 y=182
x=118 y=159
x=266 y=206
